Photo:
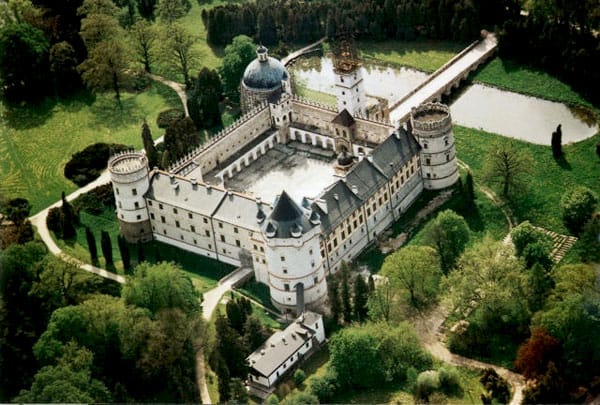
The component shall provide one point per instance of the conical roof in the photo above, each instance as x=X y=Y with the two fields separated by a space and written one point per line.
x=285 y=209
x=287 y=220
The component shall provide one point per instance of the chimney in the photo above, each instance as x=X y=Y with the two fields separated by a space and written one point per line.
x=361 y=156
x=194 y=184
x=336 y=196
x=370 y=157
x=355 y=189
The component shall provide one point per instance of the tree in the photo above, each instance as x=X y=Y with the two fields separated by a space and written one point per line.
x=170 y=10
x=360 y=298
x=577 y=206
x=525 y=234
x=237 y=56
x=230 y=348
x=267 y=29
x=355 y=358
x=180 y=138
x=255 y=334
x=151 y=153
x=106 y=61
x=17 y=210
x=237 y=313
x=300 y=398
x=143 y=37
x=23 y=62
x=536 y=353
x=345 y=293
x=177 y=49
x=69 y=381
x=203 y=99
x=161 y=286
x=496 y=386
x=557 y=142
x=16 y=11
x=507 y=166
x=380 y=301
x=415 y=270
x=335 y=305
x=106 y=246
x=63 y=66
x=125 y=255
x=238 y=393
x=540 y=285
x=589 y=243
x=68 y=219
x=448 y=234
x=140 y=252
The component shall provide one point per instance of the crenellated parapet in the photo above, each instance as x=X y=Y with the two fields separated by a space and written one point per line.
x=431 y=118
x=316 y=104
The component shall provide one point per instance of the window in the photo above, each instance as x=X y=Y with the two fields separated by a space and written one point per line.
x=446 y=141
x=335 y=242
x=221 y=225
x=282 y=258
x=152 y=215
x=192 y=228
x=425 y=146
x=120 y=205
x=222 y=238
x=255 y=247
x=165 y=231
x=150 y=203
x=447 y=158
x=134 y=191
x=368 y=212
x=162 y=219
x=190 y=216
x=181 y=236
x=285 y=271
x=235 y=230
x=343 y=235
x=195 y=242
x=316 y=280
x=262 y=249
x=205 y=220
x=224 y=251
x=160 y=206
x=360 y=218
x=237 y=243
x=286 y=287
x=310 y=252
x=427 y=161
x=177 y=224
x=207 y=233
x=138 y=217
x=117 y=190
x=428 y=175
x=355 y=223
x=209 y=246
x=174 y=210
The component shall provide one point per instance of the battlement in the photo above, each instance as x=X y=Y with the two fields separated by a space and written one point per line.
x=362 y=117
x=188 y=158
x=127 y=162
x=311 y=103
x=431 y=117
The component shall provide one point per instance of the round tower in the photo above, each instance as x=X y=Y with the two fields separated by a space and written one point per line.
x=295 y=270
x=432 y=127
x=130 y=180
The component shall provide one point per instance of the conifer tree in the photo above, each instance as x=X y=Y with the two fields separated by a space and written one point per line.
x=557 y=142
x=106 y=246
x=149 y=147
x=345 y=294
x=125 y=255
x=140 y=252
x=361 y=296
x=67 y=219
x=334 y=298
x=91 y=241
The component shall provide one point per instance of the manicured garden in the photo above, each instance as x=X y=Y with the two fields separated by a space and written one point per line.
x=37 y=141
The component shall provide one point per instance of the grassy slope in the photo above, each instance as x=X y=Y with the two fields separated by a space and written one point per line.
x=36 y=142
x=548 y=180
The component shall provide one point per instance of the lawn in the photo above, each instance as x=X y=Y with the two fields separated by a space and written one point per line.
x=258 y=292
x=549 y=178
x=513 y=76
x=37 y=141
x=425 y=55
x=204 y=272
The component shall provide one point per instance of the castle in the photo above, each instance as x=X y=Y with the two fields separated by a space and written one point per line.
x=293 y=188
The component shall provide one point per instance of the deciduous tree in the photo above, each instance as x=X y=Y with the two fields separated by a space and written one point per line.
x=171 y=10
x=237 y=56
x=448 y=234
x=506 y=166
x=143 y=37
x=577 y=206
x=177 y=49
x=203 y=99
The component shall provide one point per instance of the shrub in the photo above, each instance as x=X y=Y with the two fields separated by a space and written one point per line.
x=168 y=117
x=272 y=400
x=86 y=165
x=577 y=206
x=95 y=201
x=53 y=220
x=449 y=380
x=496 y=386
x=524 y=234
x=300 y=398
x=325 y=387
x=427 y=383
x=299 y=377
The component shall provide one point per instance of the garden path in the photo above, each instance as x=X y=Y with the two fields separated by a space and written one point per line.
x=428 y=328
x=178 y=87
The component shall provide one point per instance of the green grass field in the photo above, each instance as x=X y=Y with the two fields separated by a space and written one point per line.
x=37 y=141
x=425 y=55
x=548 y=180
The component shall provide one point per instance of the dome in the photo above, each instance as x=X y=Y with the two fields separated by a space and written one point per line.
x=264 y=72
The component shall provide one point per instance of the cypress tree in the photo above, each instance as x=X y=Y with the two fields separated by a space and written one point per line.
x=149 y=147
x=125 y=256
x=334 y=298
x=361 y=296
x=67 y=219
x=140 y=252
x=345 y=295
x=371 y=284
x=106 y=246
x=557 y=142
x=91 y=241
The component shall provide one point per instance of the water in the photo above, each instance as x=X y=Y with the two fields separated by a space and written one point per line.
x=493 y=110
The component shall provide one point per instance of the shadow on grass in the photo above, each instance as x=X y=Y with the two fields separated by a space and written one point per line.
x=30 y=115
x=563 y=163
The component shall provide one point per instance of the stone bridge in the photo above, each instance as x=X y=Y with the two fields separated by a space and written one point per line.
x=445 y=79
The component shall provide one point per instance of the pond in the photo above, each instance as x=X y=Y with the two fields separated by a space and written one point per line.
x=477 y=106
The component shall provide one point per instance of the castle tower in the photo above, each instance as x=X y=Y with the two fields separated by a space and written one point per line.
x=349 y=86
x=432 y=127
x=295 y=269
x=129 y=176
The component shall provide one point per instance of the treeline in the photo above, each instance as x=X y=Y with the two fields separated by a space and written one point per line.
x=271 y=22
x=561 y=38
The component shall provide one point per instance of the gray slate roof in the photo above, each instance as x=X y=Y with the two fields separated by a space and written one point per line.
x=240 y=210
x=287 y=219
x=340 y=201
x=180 y=192
x=366 y=177
x=265 y=75
x=397 y=149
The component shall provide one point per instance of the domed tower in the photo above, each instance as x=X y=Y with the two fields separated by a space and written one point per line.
x=265 y=77
x=295 y=270
x=130 y=180
x=432 y=127
x=349 y=86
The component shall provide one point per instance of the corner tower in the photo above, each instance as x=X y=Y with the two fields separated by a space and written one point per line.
x=295 y=270
x=432 y=127
x=129 y=176
x=349 y=85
